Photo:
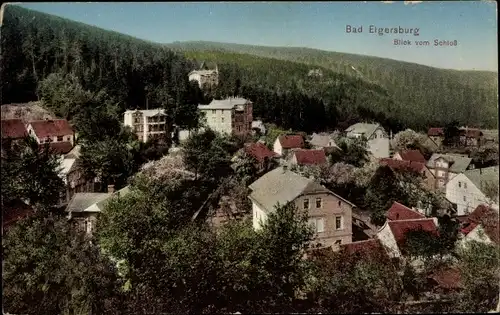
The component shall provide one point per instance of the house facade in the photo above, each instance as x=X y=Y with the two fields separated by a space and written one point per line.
x=229 y=116
x=205 y=78
x=471 y=137
x=436 y=135
x=146 y=124
x=261 y=153
x=284 y=143
x=57 y=132
x=329 y=214
x=469 y=189
x=410 y=155
x=378 y=139
x=446 y=166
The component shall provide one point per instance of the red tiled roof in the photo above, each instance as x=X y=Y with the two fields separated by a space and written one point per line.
x=14 y=211
x=13 y=128
x=401 y=227
x=259 y=151
x=435 y=132
x=413 y=156
x=400 y=212
x=447 y=278
x=468 y=227
x=57 y=147
x=310 y=157
x=51 y=128
x=403 y=165
x=487 y=218
x=291 y=141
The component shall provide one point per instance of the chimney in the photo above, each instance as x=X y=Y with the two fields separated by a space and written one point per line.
x=111 y=189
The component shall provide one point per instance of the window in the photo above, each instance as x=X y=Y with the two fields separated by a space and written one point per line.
x=214 y=111
x=340 y=203
x=459 y=184
x=68 y=138
x=59 y=138
x=465 y=185
x=306 y=203
x=222 y=119
x=318 y=202
x=465 y=198
x=338 y=242
x=320 y=225
x=338 y=222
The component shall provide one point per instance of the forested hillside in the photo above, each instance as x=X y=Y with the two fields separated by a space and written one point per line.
x=425 y=92
x=133 y=73
x=36 y=44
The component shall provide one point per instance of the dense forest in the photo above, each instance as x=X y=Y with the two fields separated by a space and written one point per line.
x=134 y=73
x=424 y=93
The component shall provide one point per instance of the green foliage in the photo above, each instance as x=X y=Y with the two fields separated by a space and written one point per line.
x=480 y=277
x=485 y=156
x=352 y=151
x=31 y=173
x=419 y=95
x=245 y=168
x=421 y=244
x=208 y=154
x=353 y=283
x=51 y=269
x=110 y=160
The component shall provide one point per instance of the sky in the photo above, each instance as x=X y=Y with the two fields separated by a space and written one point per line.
x=320 y=25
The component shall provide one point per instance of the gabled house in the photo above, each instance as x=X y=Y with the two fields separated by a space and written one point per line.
x=329 y=214
x=51 y=131
x=482 y=225
x=308 y=157
x=12 y=130
x=284 y=143
x=410 y=156
x=446 y=166
x=400 y=212
x=205 y=77
x=378 y=139
x=393 y=234
x=84 y=208
x=323 y=141
x=471 y=136
x=444 y=280
x=416 y=167
x=471 y=188
x=436 y=135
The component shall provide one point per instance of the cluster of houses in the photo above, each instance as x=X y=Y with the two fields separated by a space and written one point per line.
x=331 y=216
x=60 y=137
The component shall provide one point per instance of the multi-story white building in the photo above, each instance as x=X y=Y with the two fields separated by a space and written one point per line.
x=378 y=139
x=146 y=123
x=229 y=116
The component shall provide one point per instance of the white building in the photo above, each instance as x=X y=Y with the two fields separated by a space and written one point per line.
x=378 y=139
x=205 y=77
x=146 y=123
x=230 y=116
x=467 y=190
x=51 y=130
x=285 y=143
